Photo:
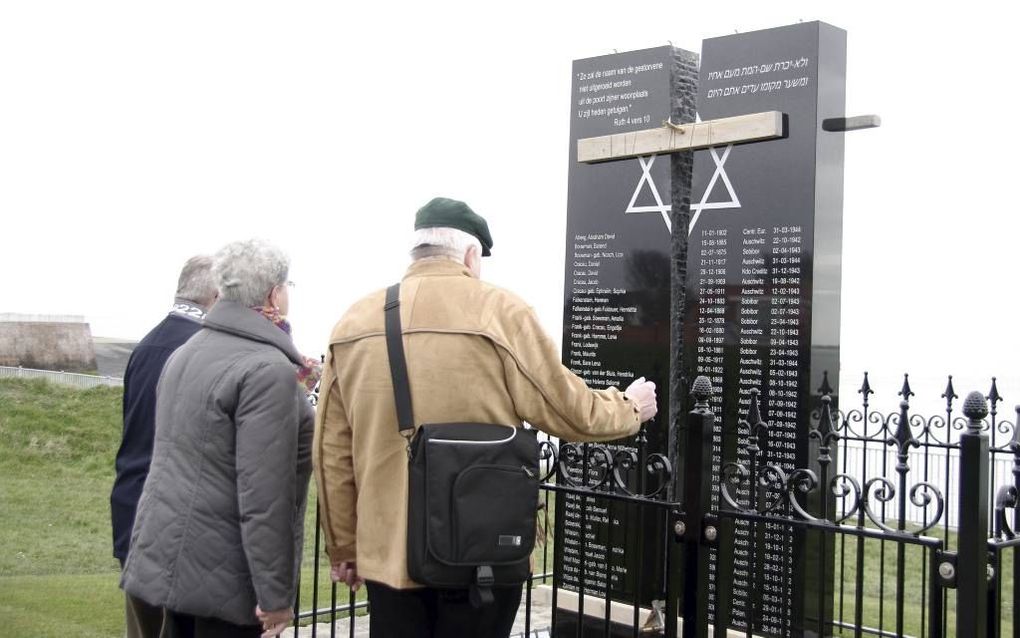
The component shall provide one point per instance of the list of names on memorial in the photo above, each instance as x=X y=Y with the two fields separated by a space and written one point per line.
x=598 y=313
x=606 y=318
x=597 y=316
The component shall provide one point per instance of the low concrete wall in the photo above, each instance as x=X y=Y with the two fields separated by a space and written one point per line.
x=47 y=346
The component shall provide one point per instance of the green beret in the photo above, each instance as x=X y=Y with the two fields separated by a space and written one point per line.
x=450 y=213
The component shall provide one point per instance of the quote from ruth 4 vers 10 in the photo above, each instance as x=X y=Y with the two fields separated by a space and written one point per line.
x=610 y=93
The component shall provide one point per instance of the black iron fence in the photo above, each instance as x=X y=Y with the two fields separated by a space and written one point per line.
x=911 y=523
x=955 y=474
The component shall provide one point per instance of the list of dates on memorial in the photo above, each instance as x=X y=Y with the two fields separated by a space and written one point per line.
x=763 y=297
x=768 y=264
x=749 y=286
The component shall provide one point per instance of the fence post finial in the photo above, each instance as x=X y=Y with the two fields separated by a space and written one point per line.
x=949 y=394
x=826 y=388
x=702 y=391
x=994 y=397
x=865 y=390
x=975 y=408
x=905 y=391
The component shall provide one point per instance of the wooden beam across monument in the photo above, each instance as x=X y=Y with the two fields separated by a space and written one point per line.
x=672 y=138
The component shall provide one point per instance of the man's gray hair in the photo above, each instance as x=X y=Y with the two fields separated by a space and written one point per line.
x=196 y=282
x=246 y=271
x=443 y=242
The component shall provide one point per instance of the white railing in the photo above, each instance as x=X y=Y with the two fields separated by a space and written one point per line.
x=15 y=317
x=63 y=378
x=937 y=466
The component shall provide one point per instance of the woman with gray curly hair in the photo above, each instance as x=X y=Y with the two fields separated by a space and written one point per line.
x=217 y=539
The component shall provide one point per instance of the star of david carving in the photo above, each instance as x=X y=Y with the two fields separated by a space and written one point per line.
x=696 y=209
x=719 y=173
x=659 y=207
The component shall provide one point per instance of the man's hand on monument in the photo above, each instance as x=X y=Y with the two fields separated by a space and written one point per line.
x=346 y=572
x=642 y=393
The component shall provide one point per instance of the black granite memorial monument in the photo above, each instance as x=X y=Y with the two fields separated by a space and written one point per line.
x=762 y=289
x=763 y=284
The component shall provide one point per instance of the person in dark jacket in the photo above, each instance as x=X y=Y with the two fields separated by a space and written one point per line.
x=196 y=291
x=217 y=539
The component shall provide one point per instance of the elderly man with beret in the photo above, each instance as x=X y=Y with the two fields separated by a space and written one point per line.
x=475 y=352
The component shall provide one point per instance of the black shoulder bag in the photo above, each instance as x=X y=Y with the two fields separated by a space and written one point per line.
x=472 y=491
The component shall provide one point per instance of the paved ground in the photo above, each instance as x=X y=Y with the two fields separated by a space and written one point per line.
x=541 y=619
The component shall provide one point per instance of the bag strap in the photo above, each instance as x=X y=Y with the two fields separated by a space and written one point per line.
x=398 y=364
x=480 y=592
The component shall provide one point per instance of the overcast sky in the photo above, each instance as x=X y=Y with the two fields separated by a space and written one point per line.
x=135 y=134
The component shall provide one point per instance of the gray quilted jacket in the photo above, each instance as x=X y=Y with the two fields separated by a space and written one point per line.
x=220 y=520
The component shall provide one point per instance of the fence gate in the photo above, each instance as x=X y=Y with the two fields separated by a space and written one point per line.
x=911 y=523
x=895 y=509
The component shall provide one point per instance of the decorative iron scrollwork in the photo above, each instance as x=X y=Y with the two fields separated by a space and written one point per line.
x=658 y=466
x=923 y=499
x=935 y=430
x=597 y=468
x=804 y=482
x=547 y=460
x=1008 y=497
x=775 y=484
x=771 y=490
x=885 y=493
x=842 y=486
x=733 y=475
x=1009 y=429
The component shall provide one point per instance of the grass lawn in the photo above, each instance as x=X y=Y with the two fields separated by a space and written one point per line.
x=58 y=577
x=81 y=605
x=57 y=573
x=879 y=595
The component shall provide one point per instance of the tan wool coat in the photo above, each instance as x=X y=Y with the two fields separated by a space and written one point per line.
x=474 y=352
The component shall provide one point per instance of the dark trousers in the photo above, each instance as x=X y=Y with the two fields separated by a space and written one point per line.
x=177 y=625
x=142 y=619
x=439 y=613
